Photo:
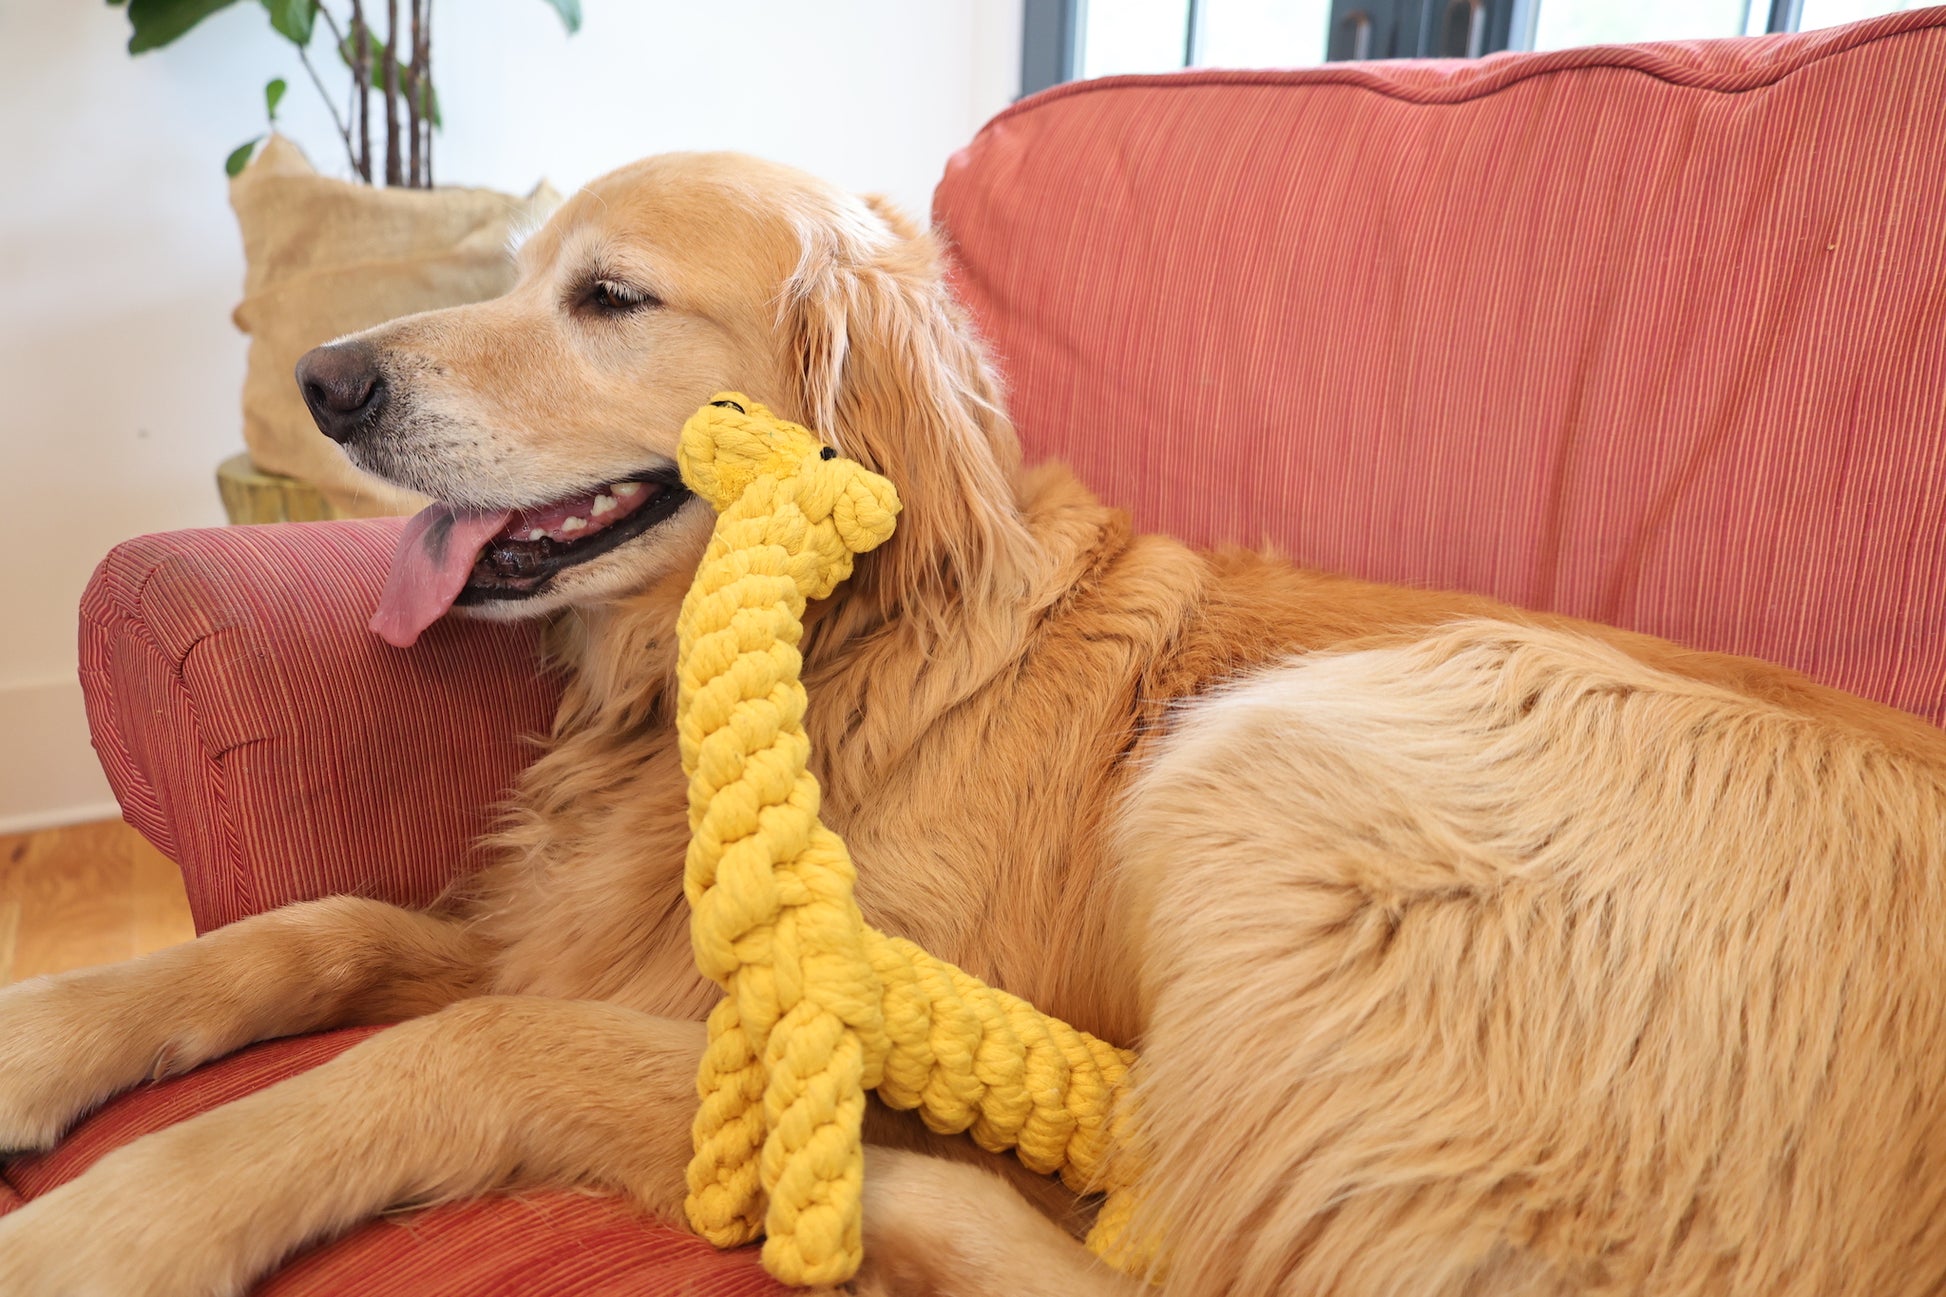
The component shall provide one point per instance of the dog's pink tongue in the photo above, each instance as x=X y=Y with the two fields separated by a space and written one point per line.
x=429 y=569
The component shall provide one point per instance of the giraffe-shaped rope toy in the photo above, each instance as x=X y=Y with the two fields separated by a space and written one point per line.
x=818 y=1007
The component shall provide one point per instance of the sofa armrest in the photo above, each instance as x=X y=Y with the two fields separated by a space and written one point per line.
x=257 y=733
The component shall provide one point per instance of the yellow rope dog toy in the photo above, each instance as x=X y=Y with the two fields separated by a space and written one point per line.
x=818 y=1007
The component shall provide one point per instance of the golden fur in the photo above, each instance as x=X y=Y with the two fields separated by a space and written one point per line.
x=1468 y=950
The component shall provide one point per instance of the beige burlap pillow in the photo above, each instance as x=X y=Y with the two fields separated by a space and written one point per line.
x=326 y=257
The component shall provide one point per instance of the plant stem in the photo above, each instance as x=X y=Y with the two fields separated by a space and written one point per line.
x=361 y=77
x=304 y=57
x=394 y=165
x=422 y=55
x=412 y=104
x=351 y=111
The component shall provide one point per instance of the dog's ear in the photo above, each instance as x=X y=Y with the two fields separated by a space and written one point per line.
x=886 y=366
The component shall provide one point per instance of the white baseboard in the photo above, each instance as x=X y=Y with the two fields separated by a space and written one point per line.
x=58 y=818
x=48 y=772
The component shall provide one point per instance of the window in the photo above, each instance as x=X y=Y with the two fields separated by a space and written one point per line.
x=1561 y=24
x=1068 y=39
x=1830 y=13
x=1135 y=36
x=1071 y=39
x=1239 y=33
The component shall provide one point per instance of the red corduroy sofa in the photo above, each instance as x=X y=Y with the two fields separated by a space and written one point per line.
x=1655 y=335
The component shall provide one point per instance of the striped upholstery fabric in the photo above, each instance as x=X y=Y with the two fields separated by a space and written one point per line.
x=536 y=1245
x=256 y=733
x=1653 y=335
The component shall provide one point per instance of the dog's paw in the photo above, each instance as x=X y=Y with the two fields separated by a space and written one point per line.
x=51 y=1063
x=48 y=1253
x=108 y=1233
x=32 y=1110
x=35 y=1262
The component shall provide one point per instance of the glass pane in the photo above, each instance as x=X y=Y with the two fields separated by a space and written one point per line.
x=1263 y=33
x=1829 y=13
x=1133 y=36
x=1565 y=23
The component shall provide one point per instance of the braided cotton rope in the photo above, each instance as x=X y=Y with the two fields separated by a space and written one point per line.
x=818 y=1007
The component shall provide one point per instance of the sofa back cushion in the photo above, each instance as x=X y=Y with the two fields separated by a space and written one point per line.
x=1654 y=335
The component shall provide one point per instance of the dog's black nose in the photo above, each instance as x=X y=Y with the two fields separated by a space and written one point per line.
x=342 y=385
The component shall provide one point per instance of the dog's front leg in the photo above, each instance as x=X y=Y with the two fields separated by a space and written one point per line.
x=490 y=1092
x=70 y=1041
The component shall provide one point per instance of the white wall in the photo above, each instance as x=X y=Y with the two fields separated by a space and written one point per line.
x=119 y=262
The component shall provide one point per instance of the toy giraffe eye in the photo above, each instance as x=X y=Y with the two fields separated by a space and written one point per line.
x=618 y=298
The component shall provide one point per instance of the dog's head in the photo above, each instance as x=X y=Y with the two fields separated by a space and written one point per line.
x=545 y=422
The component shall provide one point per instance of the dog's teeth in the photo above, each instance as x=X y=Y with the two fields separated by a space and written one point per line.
x=537 y=534
x=574 y=525
x=626 y=490
x=604 y=504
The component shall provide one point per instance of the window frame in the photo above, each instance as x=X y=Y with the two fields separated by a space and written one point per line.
x=1050 y=43
x=1053 y=31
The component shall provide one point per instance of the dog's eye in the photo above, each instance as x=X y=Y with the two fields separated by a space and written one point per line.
x=609 y=295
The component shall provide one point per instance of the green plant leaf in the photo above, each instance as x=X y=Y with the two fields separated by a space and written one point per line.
x=274 y=95
x=375 y=53
x=154 y=23
x=293 y=19
x=570 y=11
x=240 y=157
x=430 y=100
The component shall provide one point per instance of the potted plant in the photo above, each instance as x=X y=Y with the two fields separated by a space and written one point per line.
x=325 y=257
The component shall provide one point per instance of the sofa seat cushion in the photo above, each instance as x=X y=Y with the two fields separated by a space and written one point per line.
x=555 y=1244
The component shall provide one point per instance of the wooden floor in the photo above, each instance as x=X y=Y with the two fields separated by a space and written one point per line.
x=89 y=894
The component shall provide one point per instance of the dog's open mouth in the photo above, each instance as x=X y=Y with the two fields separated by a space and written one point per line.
x=449 y=556
x=536 y=543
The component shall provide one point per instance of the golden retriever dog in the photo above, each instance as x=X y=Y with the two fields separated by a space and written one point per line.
x=1468 y=951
